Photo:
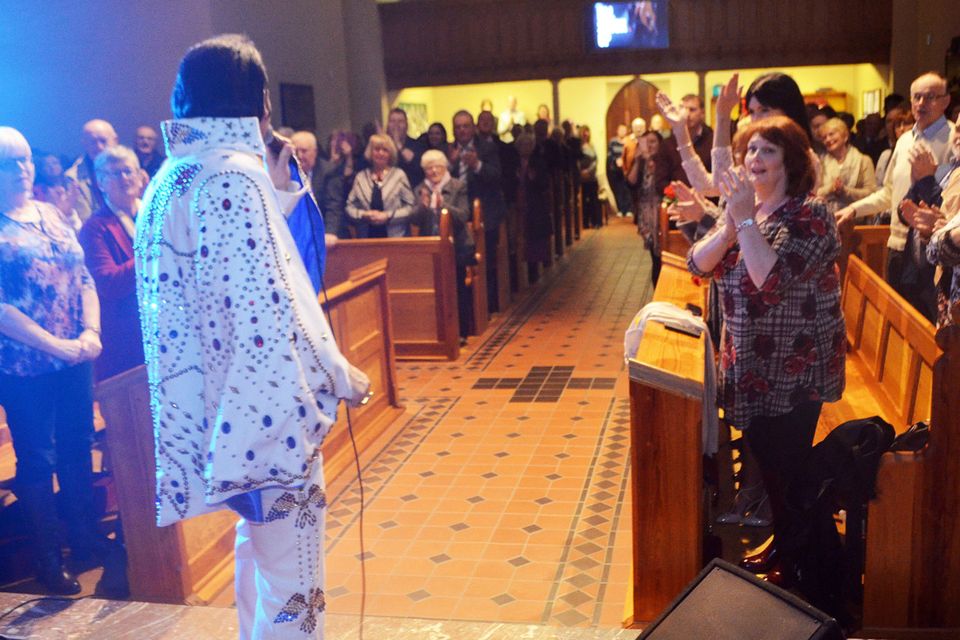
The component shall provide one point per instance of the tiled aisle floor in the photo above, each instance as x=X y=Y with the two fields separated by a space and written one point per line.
x=501 y=494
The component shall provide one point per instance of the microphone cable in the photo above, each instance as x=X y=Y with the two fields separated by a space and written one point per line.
x=353 y=439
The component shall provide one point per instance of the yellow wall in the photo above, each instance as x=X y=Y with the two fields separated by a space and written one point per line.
x=852 y=79
x=585 y=100
x=443 y=102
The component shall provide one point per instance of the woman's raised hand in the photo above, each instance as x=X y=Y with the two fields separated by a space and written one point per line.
x=729 y=97
x=671 y=113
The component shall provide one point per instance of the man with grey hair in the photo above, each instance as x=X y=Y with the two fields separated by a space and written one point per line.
x=917 y=154
x=97 y=135
x=325 y=182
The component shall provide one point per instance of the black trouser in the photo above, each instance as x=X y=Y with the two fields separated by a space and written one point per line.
x=592 y=213
x=51 y=422
x=913 y=281
x=780 y=444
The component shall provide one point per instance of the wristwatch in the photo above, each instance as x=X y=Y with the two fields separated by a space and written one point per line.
x=744 y=224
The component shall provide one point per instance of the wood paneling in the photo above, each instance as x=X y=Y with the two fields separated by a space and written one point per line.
x=666 y=392
x=443 y=42
x=421 y=279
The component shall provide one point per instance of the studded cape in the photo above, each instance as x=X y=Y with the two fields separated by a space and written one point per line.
x=244 y=373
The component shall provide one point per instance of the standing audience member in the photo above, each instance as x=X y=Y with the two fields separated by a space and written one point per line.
x=847 y=173
x=107 y=240
x=62 y=193
x=615 y=177
x=533 y=203
x=408 y=149
x=633 y=170
x=49 y=336
x=918 y=152
x=782 y=352
x=346 y=154
x=697 y=135
x=543 y=113
x=438 y=192
x=592 y=213
x=943 y=196
x=436 y=138
x=648 y=200
x=870 y=138
x=898 y=121
x=510 y=117
x=97 y=135
x=325 y=180
x=477 y=162
x=381 y=199
x=149 y=151
x=509 y=160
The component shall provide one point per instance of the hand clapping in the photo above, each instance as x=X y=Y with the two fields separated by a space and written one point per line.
x=739 y=194
x=690 y=205
x=923 y=218
x=922 y=162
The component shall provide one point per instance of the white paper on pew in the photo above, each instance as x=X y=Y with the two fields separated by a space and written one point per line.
x=667 y=313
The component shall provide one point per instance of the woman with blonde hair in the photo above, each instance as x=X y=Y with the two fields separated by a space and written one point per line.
x=49 y=336
x=847 y=174
x=381 y=200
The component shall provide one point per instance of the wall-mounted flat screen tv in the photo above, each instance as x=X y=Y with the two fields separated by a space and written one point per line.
x=630 y=25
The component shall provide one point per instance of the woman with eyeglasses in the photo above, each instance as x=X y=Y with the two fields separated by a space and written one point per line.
x=107 y=241
x=49 y=336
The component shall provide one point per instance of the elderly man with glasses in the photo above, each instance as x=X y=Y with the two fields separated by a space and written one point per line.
x=917 y=154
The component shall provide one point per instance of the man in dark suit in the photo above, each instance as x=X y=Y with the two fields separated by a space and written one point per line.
x=477 y=162
x=409 y=150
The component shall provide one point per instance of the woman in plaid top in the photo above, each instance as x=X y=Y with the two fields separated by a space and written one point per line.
x=773 y=255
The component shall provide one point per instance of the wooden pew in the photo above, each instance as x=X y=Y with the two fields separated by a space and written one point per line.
x=666 y=392
x=359 y=314
x=192 y=561
x=503 y=270
x=189 y=562
x=867 y=242
x=478 y=273
x=898 y=368
x=421 y=275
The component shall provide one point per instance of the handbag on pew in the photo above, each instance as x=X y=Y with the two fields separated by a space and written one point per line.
x=913 y=439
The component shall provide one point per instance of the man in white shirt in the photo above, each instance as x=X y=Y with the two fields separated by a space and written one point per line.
x=244 y=373
x=924 y=145
x=508 y=118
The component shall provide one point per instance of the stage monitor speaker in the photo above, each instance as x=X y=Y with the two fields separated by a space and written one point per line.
x=725 y=602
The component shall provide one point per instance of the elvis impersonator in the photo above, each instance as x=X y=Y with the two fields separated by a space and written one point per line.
x=245 y=376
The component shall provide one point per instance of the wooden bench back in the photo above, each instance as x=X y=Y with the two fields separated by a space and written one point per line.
x=478 y=274
x=185 y=563
x=421 y=276
x=894 y=344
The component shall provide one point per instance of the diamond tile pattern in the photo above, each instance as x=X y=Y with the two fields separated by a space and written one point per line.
x=497 y=496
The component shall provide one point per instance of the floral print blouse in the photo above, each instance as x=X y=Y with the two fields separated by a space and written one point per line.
x=43 y=275
x=784 y=342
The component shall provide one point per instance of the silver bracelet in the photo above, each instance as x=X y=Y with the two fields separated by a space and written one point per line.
x=744 y=224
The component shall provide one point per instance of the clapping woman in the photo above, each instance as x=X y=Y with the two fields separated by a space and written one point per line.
x=49 y=336
x=773 y=256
